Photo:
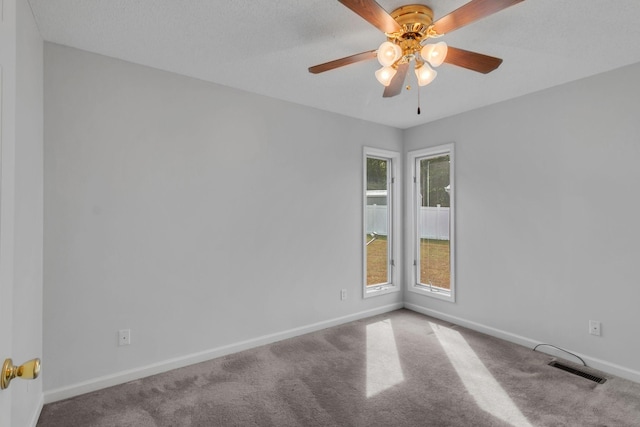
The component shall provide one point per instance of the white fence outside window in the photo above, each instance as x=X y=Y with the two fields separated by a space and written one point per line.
x=433 y=222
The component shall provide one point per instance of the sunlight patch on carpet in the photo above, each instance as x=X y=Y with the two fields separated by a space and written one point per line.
x=383 y=362
x=484 y=388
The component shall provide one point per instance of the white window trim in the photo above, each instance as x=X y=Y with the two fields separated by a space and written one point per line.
x=395 y=214
x=412 y=240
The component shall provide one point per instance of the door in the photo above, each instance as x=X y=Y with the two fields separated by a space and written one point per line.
x=5 y=342
x=6 y=276
x=20 y=209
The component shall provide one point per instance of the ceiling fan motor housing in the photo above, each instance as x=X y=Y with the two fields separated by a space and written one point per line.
x=416 y=21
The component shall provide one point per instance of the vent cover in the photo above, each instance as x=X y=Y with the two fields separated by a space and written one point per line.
x=577 y=372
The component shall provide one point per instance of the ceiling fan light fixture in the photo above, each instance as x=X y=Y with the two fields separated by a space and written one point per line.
x=385 y=74
x=435 y=53
x=425 y=74
x=388 y=53
x=407 y=29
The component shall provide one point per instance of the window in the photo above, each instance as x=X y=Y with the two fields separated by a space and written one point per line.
x=431 y=201
x=381 y=221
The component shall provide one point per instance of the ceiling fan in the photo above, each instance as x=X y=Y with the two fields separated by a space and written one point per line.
x=407 y=29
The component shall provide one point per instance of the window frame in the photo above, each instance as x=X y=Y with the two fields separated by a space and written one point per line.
x=413 y=240
x=394 y=221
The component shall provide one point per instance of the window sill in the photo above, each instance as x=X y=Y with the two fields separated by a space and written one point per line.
x=438 y=293
x=373 y=291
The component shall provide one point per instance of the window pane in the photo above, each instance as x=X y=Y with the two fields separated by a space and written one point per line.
x=377 y=221
x=433 y=219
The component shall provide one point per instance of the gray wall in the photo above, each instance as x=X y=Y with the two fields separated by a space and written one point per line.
x=196 y=215
x=153 y=182
x=547 y=217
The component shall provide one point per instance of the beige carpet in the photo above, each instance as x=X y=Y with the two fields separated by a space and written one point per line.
x=398 y=369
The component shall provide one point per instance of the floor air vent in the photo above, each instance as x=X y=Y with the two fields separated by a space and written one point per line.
x=577 y=372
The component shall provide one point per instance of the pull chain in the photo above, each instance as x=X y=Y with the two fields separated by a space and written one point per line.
x=418 y=99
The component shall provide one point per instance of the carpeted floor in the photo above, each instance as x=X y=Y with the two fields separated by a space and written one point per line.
x=397 y=369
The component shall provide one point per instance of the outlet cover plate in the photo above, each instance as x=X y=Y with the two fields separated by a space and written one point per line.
x=124 y=337
x=594 y=327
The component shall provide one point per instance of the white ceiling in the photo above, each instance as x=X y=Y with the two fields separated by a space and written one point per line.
x=266 y=47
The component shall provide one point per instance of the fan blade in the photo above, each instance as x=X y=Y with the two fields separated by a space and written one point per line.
x=470 y=12
x=471 y=60
x=364 y=56
x=374 y=14
x=395 y=87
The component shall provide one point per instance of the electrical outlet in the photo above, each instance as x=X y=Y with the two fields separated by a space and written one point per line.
x=124 y=337
x=343 y=294
x=594 y=327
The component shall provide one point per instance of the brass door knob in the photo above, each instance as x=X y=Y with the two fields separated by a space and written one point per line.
x=28 y=371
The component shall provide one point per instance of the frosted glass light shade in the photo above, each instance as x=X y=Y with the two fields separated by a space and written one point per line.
x=385 y=74
x=388 y=53
x=425 y=74
x=435 y=54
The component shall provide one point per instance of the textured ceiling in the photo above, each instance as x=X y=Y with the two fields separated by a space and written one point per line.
x=265 y=47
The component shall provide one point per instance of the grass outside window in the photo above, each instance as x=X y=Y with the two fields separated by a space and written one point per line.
x=434 y=268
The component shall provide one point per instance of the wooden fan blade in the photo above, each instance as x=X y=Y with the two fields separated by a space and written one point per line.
x=470 y=12
x=472 y=60
x=374 y=14
x=358 y=57
x=395 y=87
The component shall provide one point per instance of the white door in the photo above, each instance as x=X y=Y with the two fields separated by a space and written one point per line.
x=18 y=402
x=6 y=284
x=15 y=406
x=6 y=337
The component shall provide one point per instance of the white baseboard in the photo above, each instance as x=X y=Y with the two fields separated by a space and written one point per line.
x=601 y=365
x=180 y=362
